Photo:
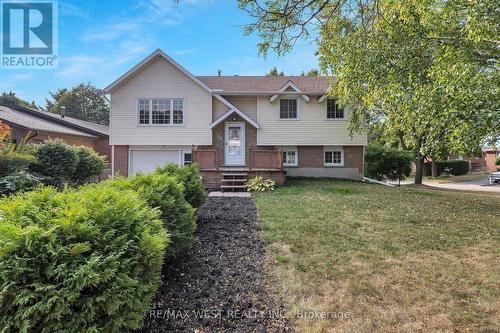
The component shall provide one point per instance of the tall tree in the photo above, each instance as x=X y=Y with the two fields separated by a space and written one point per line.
x=426 y=70
x=10 y=99
x=83 y=101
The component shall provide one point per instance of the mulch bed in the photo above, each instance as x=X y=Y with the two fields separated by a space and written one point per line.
x=219 y=286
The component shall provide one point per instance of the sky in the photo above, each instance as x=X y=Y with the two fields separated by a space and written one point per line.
x=100 y=40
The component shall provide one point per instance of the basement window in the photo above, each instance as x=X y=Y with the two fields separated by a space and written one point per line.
x=334 y=156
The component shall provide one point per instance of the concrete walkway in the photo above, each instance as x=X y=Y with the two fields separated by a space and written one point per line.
x=470 y=185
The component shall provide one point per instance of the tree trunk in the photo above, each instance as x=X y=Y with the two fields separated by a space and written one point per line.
x=434 y=168
x=419 y=166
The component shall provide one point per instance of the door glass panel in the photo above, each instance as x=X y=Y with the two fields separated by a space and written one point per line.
x=234 y=141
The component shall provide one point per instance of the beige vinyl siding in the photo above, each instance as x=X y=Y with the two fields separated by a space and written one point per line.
x=219 y=108
x=310 y=128
x=248 y=105
x=160 y=79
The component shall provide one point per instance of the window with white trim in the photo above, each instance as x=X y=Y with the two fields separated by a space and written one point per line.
x=188 y=158
x=333 y=156
x=288 y=108
x=290 y=157
x=333 y=110
x=161 y=111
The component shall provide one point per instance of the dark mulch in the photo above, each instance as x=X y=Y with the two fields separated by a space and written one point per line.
x=219 y=286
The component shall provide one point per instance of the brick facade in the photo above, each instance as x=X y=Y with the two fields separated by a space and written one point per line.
x=312 y=157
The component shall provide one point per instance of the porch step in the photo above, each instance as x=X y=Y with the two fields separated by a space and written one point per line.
x=232 y=186
x=236 y=180
x=234 y=174
x=233 y=181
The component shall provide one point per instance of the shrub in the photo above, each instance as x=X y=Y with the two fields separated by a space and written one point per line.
x=57 y=161
x=86 y=261
x=497 y=162
x=18 y=181
x=166 y=193
x=383 y=163
x=259 y=184
x=189 y=176
x=455 y=167
x=12 y=161
x=89 y=164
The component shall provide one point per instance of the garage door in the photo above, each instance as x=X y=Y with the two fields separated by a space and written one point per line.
x=147 y=160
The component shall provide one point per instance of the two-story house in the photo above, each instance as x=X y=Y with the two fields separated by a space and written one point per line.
x=229 y=125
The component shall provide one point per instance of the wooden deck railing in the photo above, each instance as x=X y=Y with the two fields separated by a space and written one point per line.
x=257 y=159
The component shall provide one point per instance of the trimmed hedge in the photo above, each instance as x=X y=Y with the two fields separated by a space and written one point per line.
x=497 y=162
x=189 y=176
x=383 y=163
x=57 y=161
x=78 y=261
x=456 y=167
x=164 y=192
x=12 y=161
x=89 y=164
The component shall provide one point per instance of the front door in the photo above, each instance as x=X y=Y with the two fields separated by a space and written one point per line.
x=234 y=143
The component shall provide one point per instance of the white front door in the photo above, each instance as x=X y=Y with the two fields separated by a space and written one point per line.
x=234 y=143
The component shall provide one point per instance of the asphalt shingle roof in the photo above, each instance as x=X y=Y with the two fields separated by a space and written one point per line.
x=265 y=84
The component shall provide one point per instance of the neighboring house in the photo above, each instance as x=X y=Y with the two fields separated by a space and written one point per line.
x=38 y=125
x=247 y=125
x=490 y=155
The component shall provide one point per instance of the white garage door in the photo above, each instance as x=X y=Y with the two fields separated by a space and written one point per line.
x=147 y=160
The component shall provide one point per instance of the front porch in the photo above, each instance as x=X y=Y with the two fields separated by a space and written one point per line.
x=260 y=162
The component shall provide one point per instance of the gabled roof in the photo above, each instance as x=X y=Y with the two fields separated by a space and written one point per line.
x=290 y=86
x=45 y=121
x=145 y=62
x=311 y=85
x=232 y=109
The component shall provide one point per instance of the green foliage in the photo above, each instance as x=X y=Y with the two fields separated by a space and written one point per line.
x=89 y=164
x=274 y=72
x=452 y=167
x=12 y=160
x=18 y=181
x=10 y=99
x=260 y=184
x=164 y=192
x=497 y=161
x=189 y=176
x=83 y=101
x=57 y=161
x=383 y=163
x=78 y=261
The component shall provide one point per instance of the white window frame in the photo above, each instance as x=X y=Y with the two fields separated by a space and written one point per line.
x=183 y=157
x=333 y=149
x=298 y=108
x=171 y=123
x=326 y=111
x=286 y=150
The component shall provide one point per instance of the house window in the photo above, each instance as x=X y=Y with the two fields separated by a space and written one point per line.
x=290 y=157
x=334 y=156
x=161 y=111
x=178 y=107
x=333 y=111
x=188 y=158
x=144 y=111
x=288 y=109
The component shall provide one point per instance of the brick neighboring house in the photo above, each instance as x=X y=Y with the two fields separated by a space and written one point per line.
x=229 y=125
x=37 y=126
x=490 y=155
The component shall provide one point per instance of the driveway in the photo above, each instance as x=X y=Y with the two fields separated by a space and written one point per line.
x=481 y=185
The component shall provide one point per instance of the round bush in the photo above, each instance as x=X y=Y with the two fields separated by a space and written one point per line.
x=497 y=162
x=165 y=193
x=78 y=261
x=18 y=181
x=89 y=164
x=189 y=176
x=56 y=160
x=383 y=162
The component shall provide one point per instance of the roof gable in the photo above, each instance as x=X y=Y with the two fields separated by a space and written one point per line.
x=147 y=61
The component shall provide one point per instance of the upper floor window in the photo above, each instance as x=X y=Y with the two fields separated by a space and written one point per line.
x=161 y=111
x=334 y=156
x=333 y=111
x=288 y=109
x=290 y=157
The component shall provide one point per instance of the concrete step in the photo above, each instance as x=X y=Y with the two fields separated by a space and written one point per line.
x=232 y=186
x=237 y=180
x=234 y=175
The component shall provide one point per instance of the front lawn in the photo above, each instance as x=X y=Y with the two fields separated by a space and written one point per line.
x=375 y=258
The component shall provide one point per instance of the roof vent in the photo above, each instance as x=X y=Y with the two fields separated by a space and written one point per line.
x=63 y=111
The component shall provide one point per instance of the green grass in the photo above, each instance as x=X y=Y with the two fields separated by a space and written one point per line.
x=395 y=259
